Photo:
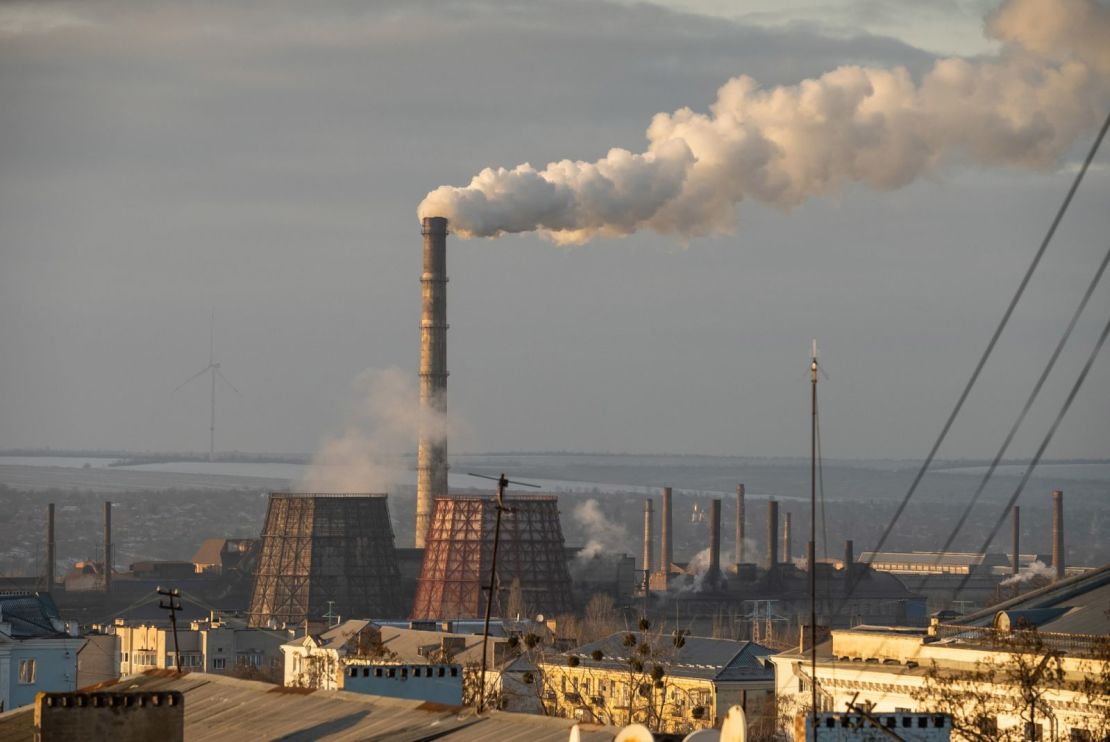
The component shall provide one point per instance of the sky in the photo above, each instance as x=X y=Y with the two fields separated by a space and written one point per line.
x=164 y=162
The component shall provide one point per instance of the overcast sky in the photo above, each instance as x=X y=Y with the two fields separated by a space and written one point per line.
x=263 y=161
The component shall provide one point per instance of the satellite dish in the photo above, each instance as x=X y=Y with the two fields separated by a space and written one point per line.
x=735 y=727
x=634 y=733
x=703 y=735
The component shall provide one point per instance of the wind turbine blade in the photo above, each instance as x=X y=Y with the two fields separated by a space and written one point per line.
x=221 y=375
x=198 y=373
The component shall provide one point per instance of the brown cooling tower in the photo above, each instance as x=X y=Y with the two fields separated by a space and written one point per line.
x=649 y=541
x=323 y=548
x=739 y=523
x=772 y=534
x=455 y=575
x=1058 y=534
x=666 y=555
x=431 y=455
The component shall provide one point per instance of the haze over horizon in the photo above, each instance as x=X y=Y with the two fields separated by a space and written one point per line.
x=160 y=163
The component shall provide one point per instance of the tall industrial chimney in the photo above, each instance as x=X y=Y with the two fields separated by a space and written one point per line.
x=739 y=523
x=50 y=548
x=1058 y=533
x=649 y=541
x=786 y=551
x=1016 y=533
x=849 y=564
x=107 y=546
x=665 y=554
x=431 y=456
x=772 y=534
x=715 y=542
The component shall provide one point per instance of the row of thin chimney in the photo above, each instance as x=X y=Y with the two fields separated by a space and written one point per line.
x=770 y=562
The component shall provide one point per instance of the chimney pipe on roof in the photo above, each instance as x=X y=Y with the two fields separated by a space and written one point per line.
x=715 y=541
x=772 y=534
x=431 y=452
x=649 y=541
x=107 y=546
x=665 y=554
x=1016 y=533
x=739 y=523
x=1058 y=533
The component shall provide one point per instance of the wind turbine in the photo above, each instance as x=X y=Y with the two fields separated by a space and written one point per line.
x=212 y=368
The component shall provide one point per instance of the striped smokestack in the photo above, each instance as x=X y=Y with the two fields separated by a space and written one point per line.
x=1058 y=533
x=431 y=464
x=739 y=523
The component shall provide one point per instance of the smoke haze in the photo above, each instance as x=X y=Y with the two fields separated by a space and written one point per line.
x=367 y=455
x=1021 y=108
x=602 y=534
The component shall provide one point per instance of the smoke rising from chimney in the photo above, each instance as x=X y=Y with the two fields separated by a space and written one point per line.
x=384 y=425
x=602 y=534
x=782 y=146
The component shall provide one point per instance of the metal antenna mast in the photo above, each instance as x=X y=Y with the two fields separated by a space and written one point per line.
x=502 y=483
x=813 y=539
x=212 y=368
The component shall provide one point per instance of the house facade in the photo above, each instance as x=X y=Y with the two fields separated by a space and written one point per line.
x=38 y=650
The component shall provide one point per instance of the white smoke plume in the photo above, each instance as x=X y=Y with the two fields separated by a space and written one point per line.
x=1023 y=107
x=699 y=568
x=1035 y=569
x=385 y=424
x=602 y=534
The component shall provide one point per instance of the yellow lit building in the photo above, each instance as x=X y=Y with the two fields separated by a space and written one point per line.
x=669 y=685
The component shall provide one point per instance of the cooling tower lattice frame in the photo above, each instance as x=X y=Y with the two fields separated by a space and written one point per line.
x=459 y=548
x=325 y=547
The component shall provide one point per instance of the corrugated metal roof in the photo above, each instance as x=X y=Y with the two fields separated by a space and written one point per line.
x=1085 y=596
x=221 y=708
x=30 y=614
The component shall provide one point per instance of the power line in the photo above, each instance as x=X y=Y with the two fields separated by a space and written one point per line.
x=1028 y=404
x=1044 y=444
x=989 y=349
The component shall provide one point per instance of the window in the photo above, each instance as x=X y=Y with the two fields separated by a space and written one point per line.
x=125 y=656
x=1080 y=735
x=220 y=663
x=365 y=672
x=922 y=722
x=377 y=672
x=454 y=672
x=442 y=672
x=352 y=672
x=169 y=660
x=27 y=671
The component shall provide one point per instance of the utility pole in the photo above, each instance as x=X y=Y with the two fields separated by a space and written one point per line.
x=502 y=483
x=174 y=606
x=813 y=541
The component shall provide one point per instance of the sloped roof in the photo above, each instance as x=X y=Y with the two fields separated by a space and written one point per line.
x=209 y=551
x=1080 y=601
x=218 y=708
x=698 y=657
x=30 y=614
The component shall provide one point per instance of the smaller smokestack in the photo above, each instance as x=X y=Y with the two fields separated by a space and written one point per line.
x=739 y=523
x=649 y=541
x=849 y=563
x=786 y=550
x=665 y=555
x=772 y=534
x=1058 y=533
x=50 y=548
x=715 y=541
x=1016 y=538
x=107 y=546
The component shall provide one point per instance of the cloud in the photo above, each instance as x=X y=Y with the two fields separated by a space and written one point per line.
x=787 y=144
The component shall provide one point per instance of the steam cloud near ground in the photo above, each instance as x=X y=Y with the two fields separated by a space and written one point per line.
x=385 y=425
x=1049 y=83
